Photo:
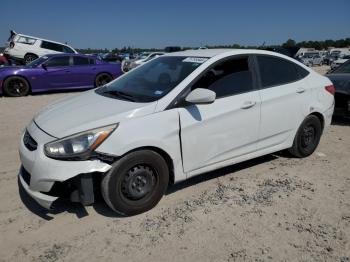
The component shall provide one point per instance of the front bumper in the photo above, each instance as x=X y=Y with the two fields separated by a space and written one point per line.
x=42 y=199
x=45 y=172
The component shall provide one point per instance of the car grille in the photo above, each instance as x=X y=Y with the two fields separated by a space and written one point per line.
x=25 y=175
x=29 y=142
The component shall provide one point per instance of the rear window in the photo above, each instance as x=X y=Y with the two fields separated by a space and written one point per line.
x=26 y=40
x=343 y=69
x=277 y=71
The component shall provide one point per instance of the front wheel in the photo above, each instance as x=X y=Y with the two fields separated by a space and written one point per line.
x=136 y=182
x=307 y=137
x=16 y=86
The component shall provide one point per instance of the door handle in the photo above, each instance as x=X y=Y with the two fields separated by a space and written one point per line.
x=301 y=90
x=248 y=104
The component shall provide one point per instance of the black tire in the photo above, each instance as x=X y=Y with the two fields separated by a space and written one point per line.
x=102 y=79
x=29 y=58
x=136 y=182
x=16 y=86
x=307 y=138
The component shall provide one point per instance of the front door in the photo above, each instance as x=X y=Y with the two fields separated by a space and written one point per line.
x=57 y=73
x=227 y=128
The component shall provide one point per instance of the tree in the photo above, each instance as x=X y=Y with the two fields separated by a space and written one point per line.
x=289 y=43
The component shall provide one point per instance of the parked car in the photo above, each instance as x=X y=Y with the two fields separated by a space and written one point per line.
x=111 y=57
x=55 y=72
x=127 y=65
x=312 y=60
x=177 y=116
x=341 y=80
x=331 y=57
x=339 y=61
x=28 y=48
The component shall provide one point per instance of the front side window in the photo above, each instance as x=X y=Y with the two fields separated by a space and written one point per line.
x=153 y=80
x=276 y=71
x=67 y=49
x=228 y=78
x=26 y=40
x=58 y=61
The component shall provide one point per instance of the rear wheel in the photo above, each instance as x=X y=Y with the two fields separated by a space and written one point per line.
x=16 y=86
x=307 y=137
x=29 y=58
x=136 y=183
x=103 y=79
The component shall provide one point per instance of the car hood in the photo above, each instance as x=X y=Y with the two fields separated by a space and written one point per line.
x=340 y=61
x=4 y=69
x=87 y=111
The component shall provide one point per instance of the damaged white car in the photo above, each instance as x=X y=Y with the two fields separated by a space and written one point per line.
x=175 y=117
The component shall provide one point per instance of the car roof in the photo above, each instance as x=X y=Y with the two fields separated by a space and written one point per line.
x=70 y=54
x=38 y=38
x=215 y=52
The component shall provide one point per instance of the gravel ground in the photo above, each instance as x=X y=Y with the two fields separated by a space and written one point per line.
x=274 y=208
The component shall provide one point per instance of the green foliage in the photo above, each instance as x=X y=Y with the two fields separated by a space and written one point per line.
x=319 y=45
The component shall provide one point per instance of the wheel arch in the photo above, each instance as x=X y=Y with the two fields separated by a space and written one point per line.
x=320 y=117
x=30 y=53
x=164 y=154
x=24 y=77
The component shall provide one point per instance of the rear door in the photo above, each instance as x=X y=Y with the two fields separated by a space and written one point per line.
x=227 y=128
x=57 y=74
x=83 y=71
x=283 y=97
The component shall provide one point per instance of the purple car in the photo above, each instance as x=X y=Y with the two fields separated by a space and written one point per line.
x=57 y=72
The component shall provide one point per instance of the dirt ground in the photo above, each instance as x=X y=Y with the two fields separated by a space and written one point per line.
x=274 y=208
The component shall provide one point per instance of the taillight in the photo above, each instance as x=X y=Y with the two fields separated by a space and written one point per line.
x=330 y=89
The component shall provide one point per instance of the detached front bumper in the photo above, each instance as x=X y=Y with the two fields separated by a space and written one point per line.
x=44 y=172
x=42 y=199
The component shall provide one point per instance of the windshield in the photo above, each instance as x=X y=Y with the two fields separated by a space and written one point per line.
x=37 y=62
x=153 y=80
x=343 y=69
x=143 y=56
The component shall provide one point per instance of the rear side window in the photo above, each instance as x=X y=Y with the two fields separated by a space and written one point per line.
x=58 y=61
x=276 y=71
x=228 y=78
x=26 y=40
x=78 y=60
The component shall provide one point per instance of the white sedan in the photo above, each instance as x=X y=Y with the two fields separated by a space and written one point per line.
x=175 y=117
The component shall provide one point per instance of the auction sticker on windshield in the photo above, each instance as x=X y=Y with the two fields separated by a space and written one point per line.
x=198 y=60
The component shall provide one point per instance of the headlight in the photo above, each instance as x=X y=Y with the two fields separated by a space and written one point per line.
x=78 y=146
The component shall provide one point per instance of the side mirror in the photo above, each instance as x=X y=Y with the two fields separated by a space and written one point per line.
x=44 y=66
x=201 y=96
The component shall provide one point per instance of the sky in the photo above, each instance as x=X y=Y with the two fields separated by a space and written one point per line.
x=191 y=23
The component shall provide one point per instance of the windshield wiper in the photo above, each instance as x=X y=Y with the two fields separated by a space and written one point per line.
x=120 y=94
